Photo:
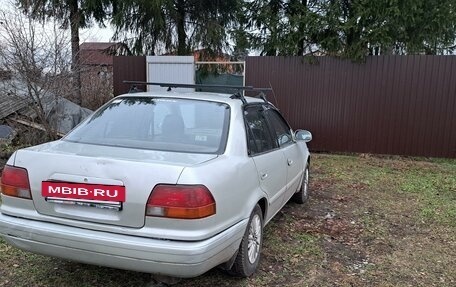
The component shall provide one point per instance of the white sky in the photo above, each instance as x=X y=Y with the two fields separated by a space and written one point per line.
x=93 y=34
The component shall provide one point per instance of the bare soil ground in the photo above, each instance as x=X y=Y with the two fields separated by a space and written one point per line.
x=370 y=221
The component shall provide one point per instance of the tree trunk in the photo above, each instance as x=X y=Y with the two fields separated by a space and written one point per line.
x=180 y=25
x=302 y=24
x=75 y=15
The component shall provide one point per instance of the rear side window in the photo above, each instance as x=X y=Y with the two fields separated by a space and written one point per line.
x=167 y=124
x=259 y=138
x=282 y=132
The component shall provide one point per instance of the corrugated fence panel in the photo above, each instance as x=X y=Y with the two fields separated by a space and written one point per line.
x=128 y=68
x=170 y=69
x=401 y=105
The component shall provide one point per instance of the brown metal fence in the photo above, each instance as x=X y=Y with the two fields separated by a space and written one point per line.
x=128 y=68
x=403 y=105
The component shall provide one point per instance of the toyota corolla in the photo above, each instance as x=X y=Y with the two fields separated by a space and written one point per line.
x=172 y=183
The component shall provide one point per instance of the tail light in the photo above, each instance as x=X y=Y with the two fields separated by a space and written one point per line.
x=180 y=201
x=15 y=182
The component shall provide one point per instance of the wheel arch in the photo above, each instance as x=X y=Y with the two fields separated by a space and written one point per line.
x=263 y=203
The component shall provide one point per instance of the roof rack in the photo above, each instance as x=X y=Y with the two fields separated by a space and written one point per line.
x=170 y=86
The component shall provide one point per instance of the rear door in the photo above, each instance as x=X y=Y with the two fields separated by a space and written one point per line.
x=269 y=159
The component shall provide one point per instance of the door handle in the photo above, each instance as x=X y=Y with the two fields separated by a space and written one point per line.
x=290 y=162
x=264 y=176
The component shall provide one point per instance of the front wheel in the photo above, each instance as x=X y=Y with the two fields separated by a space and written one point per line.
x=249 y=252
x=303 y=194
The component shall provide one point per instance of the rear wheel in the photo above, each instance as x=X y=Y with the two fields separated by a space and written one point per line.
x=303 y=194
x=249 y=252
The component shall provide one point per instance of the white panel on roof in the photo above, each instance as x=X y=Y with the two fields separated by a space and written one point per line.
x=170 y=69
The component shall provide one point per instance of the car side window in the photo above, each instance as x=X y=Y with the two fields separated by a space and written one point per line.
x=259 y=138
x=282 y=132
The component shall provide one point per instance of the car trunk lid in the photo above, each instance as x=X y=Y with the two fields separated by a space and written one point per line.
x=111 y=168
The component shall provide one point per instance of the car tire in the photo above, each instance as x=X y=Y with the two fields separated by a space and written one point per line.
x=302 y=195
x=248 y=256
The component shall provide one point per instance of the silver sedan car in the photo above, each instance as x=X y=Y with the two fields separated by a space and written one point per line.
x=170 y=183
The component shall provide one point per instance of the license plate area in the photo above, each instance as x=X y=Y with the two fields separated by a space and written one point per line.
x=89 y=195
x=111 y=205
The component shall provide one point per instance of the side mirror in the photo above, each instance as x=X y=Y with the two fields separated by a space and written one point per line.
x=303 y=135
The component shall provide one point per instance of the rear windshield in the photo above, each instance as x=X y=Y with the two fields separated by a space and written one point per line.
x=167 y=124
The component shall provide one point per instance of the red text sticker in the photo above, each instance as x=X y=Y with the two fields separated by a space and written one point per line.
x=83 y=191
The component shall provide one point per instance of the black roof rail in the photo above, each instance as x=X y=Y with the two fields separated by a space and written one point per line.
x=236 y=95
x=134 y=89
x=262 y=94
x=240 y=96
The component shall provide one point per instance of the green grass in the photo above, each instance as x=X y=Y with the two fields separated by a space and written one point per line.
x=435 y=189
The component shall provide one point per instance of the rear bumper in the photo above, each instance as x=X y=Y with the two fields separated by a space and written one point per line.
x=172 y=258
